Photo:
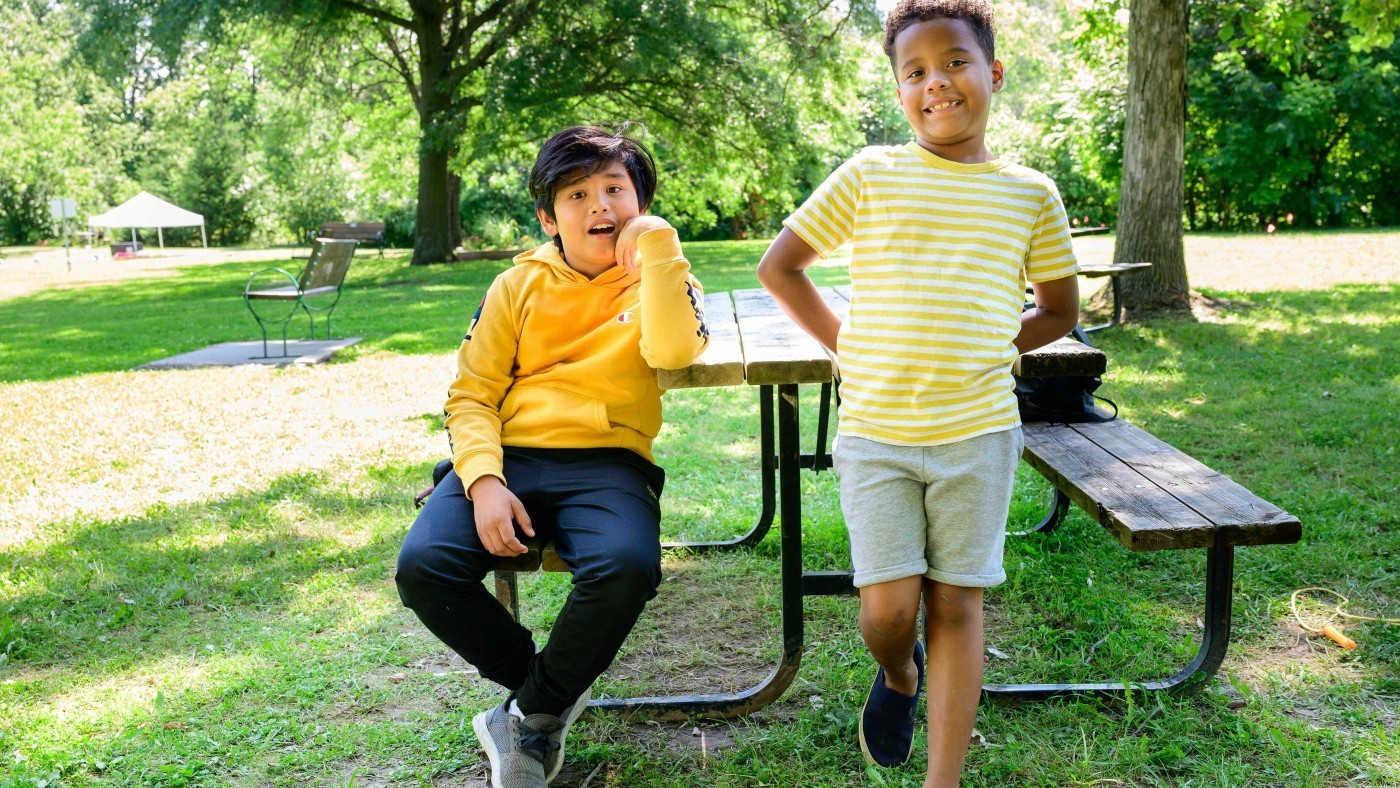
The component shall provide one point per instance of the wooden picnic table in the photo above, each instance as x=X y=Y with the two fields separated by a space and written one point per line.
x=1144 y=492
x=753 y=343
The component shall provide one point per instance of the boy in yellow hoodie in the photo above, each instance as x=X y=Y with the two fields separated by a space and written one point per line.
x=551 y=420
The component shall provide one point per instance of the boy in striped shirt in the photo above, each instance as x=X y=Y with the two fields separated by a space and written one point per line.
x=945 y=237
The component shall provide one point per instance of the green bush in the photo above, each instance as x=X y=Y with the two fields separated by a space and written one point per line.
x=498 y=232
x=400 y=225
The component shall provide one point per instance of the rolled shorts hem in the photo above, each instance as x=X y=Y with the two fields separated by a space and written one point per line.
x=966 y=581
x=887 y=574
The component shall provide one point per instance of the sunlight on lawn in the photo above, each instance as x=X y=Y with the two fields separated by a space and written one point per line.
x=198 y=564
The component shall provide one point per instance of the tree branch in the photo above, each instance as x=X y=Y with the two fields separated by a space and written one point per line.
x=377 y=13
x=498 y=39
x=401 y=64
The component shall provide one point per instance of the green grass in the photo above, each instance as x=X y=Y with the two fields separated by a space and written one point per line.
x=397 y=308
x=256 y=639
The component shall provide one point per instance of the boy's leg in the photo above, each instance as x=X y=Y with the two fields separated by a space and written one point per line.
x=882 y=497
x=440 y=571
x=607 y=519
x=968 y=494
x=953 y=634
x=889 y=617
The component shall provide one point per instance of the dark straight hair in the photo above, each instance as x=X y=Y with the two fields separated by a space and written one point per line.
x=580 y=151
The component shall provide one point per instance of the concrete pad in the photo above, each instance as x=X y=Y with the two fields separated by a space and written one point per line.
x=234 y=354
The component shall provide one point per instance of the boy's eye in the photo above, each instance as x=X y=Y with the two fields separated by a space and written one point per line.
x=918 y=72
x=956 y=63
x=576 y=195
x=614 y=189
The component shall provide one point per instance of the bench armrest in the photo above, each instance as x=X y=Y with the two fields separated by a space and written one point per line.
x=248 y=287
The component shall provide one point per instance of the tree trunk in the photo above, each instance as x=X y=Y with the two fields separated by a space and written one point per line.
x=454 y=209
x=432 y=242
x=1151 y=205
x=432 y=236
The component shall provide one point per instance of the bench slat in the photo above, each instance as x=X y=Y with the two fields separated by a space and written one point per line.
x=1242 y=517
x=1134 y=509
x=722 y=363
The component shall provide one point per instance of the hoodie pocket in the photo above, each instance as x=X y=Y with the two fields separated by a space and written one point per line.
x=542 y=410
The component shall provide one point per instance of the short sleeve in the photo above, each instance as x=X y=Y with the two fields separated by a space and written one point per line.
x=827 y=218
x=1051 y=253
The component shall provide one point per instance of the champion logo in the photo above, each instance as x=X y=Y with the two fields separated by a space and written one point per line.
x=625 y=317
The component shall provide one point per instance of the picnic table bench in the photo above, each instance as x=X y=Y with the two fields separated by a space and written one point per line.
x=1147 y=494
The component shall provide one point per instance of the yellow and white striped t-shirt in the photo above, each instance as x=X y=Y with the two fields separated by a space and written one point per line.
x=940 y=258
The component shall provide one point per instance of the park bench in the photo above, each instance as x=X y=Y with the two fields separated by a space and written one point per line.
x=322 y=278
x=1147 y=494
x=364 y=232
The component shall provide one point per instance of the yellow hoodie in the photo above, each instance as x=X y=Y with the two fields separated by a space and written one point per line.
x=553 y=359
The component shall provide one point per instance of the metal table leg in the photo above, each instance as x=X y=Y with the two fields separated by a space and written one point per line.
x=1113 y=320
x=766 y=477
x=771 y=688
x=1058 y=508
x=1215 y=639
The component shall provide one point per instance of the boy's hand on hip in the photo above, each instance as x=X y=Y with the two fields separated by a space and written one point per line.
x=497 y=510
x=626 y=248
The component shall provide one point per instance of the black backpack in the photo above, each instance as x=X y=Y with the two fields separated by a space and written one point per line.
x=1064 y=400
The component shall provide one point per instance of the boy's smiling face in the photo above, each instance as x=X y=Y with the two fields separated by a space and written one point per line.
x=945 y=86
x=589 y=212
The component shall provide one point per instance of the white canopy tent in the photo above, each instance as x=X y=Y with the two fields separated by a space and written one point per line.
x=148 y=210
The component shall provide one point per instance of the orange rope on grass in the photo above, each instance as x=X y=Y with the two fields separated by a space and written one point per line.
x=1328 y=630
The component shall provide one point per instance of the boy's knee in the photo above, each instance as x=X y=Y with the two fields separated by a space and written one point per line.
x=426 y=573
x=412 y=573
x=628 y=573
x=953 y=606
x=887 y=623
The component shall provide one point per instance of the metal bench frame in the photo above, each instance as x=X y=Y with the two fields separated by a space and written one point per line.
x=323 y=277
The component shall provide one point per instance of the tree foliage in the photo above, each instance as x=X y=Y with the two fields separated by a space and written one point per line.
x=1292 y=108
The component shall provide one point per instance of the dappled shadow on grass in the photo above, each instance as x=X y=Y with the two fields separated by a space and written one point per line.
x=145 y=586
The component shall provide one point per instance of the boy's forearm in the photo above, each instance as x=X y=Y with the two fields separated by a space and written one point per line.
x=673 y=325
x=783 y=274
x=1054 y=315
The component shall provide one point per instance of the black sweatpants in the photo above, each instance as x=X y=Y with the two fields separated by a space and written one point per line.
x=602 y=507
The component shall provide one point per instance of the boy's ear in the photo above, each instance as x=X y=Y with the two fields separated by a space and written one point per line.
x=551 y=228
x=998 y=76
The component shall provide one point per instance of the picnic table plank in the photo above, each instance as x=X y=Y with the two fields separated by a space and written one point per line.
x=1093 y=270
x=1133 y=508
x=1064 y=356
x=1241 y=517
x=722 y=363
x=776 y=351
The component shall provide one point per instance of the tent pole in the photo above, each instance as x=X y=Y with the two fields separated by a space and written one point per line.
x=133 y=242
x=161 y=235
x=203 y=234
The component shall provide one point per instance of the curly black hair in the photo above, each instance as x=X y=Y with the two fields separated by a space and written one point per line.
x=977 y=13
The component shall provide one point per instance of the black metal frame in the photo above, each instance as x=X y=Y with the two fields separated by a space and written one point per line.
x=797 y=584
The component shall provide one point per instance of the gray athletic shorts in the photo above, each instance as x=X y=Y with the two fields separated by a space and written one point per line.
x=935 y=511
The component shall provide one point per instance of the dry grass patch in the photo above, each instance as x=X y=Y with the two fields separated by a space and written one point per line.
x=114 y=444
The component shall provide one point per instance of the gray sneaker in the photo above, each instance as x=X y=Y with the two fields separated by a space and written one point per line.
x=555 y=761
x=517 y=749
